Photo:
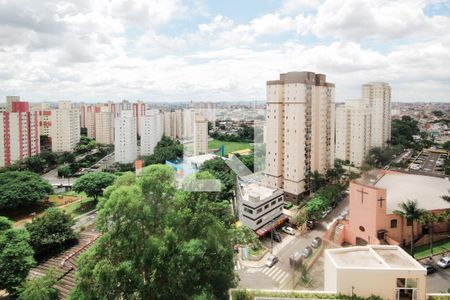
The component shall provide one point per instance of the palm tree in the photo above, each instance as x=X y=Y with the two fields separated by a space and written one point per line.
x=411 y=212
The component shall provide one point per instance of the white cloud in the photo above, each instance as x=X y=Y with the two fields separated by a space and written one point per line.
x=298 y=6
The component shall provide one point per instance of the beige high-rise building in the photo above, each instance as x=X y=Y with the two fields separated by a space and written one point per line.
x=65 y=127
x=353 y=131
x=363 y=124
x=188 y=123
x=125 y=141
x=299 y=131
x=104 y=126
x=200 y=136
x=173 y=124
x=378 y=96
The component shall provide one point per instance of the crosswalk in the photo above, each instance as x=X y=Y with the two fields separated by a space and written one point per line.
x=238 y=265
x=276 y=274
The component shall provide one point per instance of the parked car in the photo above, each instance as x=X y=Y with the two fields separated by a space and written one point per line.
x=316 y=242
x=444 y=262
x=288 y=230
x=310 y=224
x=277 y=237
x=271 y=260
x=288 y=205
x=326 y=212
x=307 y=251
x=430 y=268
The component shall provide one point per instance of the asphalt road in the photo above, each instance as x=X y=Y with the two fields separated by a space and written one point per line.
x=280 y=275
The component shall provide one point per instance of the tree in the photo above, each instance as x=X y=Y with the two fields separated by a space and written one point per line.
x=412 y=213
x=438 y=113
x=166 y=149
x=67 y=157
x=429 y=219
x=93 y=184
x=316 y=206
x=22 y=188
x=16 y=256
x=51 y=233
x=50 y=158
x=64 y=171
x=402 y=132
x=35 y=164
x=40 y=288
x=186 y=250
x=317 y=180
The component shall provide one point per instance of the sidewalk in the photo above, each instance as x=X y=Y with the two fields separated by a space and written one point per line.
x=262 y=262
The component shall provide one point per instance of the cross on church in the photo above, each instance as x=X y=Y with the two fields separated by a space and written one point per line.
x=362 y=194
x=380 y=200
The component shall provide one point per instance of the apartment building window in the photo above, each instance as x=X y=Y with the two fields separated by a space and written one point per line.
x=259 y=221
x=273 y=203
x=280 y=199
x=258 y=210
x=250 y=211
x=266 y=206
x=394 y=223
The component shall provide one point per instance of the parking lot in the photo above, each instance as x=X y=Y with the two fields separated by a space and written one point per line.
x=429 y=162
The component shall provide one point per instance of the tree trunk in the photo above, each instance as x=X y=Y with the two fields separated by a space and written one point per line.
x=412 y=238
x=431 y=239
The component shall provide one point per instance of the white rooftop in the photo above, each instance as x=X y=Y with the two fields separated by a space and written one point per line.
x=373 y=257
x=200 y=159
x=255 y=192
x=427 y=190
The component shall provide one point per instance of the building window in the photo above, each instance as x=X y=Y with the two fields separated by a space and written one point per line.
x=258 y=210
x=259 y=221
x=248 y=210
x=273 y=203
x=280 y=199
x=394 y=223
x=409 y=222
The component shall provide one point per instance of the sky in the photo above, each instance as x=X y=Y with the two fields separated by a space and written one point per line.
x=211 y=50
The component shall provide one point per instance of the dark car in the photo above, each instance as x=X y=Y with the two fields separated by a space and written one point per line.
x=310 y=224
x=430 y=268
x=277 y=237
x=316 y=242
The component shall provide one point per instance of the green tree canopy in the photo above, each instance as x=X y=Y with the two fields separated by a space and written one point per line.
x=51 y=233
x=16 y=256
x=166 y=149
x=40 y=288
x=184 y=253
x=316 y=206
x=94 y=183
x=35 y=164
x=412 y=213
x=22 y=188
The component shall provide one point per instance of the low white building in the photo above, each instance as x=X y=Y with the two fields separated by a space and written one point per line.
x=258 y=204
x=125 y=138
x=385 y=271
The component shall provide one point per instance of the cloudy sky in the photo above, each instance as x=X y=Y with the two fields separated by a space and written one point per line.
x=168 y=50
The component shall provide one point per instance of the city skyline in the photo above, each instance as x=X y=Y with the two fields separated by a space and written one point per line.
x=174 y=50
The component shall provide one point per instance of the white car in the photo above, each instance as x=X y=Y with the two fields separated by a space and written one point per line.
x=271 y=260
x=444 y=262
x=288 y=230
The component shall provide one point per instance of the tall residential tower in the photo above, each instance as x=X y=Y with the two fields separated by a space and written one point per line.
x=300 y=130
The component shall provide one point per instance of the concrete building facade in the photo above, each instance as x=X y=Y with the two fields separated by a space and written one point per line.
x=65 y=127
x=384 y=271
x=200 y=136
x=353 y=121
x=104 y=126
x=151 y=132
x=125 y=138
x=299 y=130
x=19 y=133
x=377 y=95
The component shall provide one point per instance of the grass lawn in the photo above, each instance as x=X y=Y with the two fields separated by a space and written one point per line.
x=80 y=207
x=229 y=146
x=438 y=247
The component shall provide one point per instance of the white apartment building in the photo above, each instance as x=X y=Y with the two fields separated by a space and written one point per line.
x=299 y=130
x=378 y=97
x=104 y=126
x=363 y=124
x=19 y=133
x=65 y=127
x=125 y=138
x=353 y=131
x=188 y=123
x=385 y=271
x=151 y=131
x=200 y=136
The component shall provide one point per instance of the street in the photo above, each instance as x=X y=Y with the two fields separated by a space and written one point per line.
x=280 y=276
